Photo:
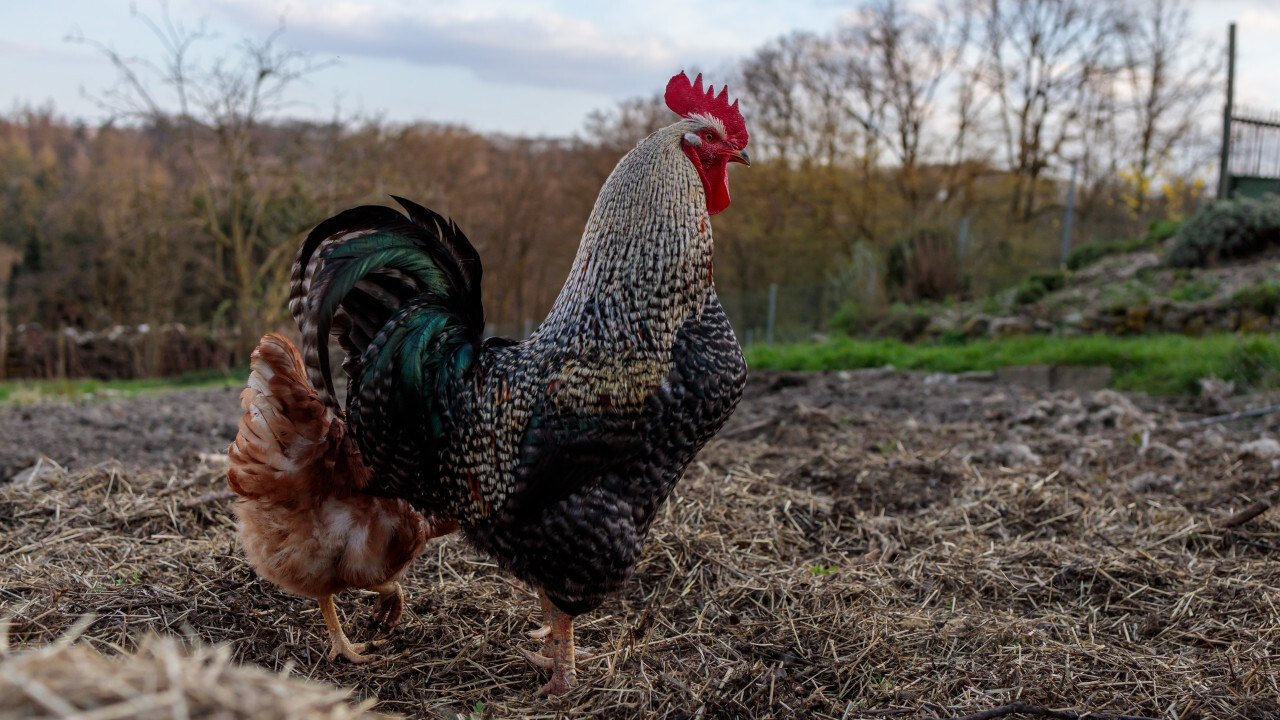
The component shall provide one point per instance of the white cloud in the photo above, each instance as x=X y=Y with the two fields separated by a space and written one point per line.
x=499 y=41
x=1260 y=20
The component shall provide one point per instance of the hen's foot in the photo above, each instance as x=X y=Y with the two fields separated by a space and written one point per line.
x=389 y=607
x=340 y=644
x=352 y=652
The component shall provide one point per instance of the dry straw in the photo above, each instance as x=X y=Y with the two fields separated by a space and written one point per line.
x=823 y=563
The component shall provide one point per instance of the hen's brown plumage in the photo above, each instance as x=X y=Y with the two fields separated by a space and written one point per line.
x=305 y=523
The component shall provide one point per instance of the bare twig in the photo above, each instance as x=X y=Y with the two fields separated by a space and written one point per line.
x=1258 y=507
x=750 y=428
x=1187 y=424
x=209 y=497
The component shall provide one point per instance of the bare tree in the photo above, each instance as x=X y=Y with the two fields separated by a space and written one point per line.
x=899 y=59
x=1167 y=75
x=215 y=110
x=1042 y=57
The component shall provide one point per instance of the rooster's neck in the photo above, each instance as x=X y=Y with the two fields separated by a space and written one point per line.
x=644 y=264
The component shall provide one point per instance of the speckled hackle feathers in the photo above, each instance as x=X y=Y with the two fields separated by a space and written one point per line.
x=553 y=454
x=687 y=99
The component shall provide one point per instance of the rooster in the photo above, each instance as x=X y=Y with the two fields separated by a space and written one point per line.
x=552 y=455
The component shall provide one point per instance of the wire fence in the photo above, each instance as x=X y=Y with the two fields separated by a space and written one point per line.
x=779 y=314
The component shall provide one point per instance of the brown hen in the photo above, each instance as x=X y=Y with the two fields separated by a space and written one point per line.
x=305 y=522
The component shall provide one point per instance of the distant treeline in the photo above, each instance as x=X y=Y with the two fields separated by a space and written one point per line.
x=872 y=146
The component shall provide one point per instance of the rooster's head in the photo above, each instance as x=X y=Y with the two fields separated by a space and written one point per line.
x=717 y=136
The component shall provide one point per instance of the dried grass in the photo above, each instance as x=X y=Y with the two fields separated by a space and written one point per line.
x=824 y=565
x=161 y=680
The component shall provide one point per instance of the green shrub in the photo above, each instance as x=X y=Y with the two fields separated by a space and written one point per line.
x=905 y=322
x=1263 y=299
x=1227 y=229
x=1038 y=285
x=851 y=318
x=1160 y=230
x=1086 y=255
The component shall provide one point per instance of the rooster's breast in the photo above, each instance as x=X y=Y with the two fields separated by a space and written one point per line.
x=578 y=528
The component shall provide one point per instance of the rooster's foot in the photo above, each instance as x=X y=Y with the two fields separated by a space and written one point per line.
x=539 y=660
x=562 y=681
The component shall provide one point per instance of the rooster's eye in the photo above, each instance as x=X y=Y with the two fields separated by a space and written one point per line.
x=709 y=137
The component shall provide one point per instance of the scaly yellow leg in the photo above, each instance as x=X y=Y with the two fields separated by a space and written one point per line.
x=342 y=646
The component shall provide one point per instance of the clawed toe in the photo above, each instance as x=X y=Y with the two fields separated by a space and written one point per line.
x=541 y=633
x=539 y=660
x=389 y=607
x=353 y=652
x=559 y=685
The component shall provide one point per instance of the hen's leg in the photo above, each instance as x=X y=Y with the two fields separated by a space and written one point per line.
x=389 y=607
x=342 y=646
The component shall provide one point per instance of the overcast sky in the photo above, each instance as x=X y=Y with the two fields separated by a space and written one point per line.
x=526 y=67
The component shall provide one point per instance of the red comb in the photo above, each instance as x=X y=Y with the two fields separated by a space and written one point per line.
x=687 y=99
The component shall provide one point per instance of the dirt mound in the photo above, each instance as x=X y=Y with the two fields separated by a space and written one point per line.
x=854 y=545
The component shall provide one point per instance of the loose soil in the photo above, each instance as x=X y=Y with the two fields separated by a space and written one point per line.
x=854 y=545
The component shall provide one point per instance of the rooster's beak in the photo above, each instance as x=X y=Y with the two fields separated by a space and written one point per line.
x=740 y=156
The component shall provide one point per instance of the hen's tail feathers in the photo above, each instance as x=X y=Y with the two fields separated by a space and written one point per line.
x=402 y=295
x=355 y=271
x=290 y=444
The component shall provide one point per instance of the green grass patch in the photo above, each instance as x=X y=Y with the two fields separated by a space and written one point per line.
x=20 y=392
x=1154 y=364
x=1195 y=289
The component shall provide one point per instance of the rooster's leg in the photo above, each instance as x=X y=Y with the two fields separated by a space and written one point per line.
x=544 y=632
x=545 y=660
x=563 y=672
x=558 y=653
x=341 y=645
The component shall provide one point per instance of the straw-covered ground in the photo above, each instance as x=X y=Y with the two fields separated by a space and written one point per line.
x=854 y=545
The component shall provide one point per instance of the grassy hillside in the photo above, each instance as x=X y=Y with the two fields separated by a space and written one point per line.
x=1154 y=364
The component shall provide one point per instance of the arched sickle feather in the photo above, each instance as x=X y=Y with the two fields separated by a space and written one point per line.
x=685 y=99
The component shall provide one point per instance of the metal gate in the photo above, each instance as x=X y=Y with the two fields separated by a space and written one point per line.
x=1253 y=158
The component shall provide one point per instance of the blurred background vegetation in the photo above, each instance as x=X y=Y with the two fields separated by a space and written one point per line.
x=910 y=158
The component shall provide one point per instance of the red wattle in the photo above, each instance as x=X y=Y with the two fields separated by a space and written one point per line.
x=715 y=182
